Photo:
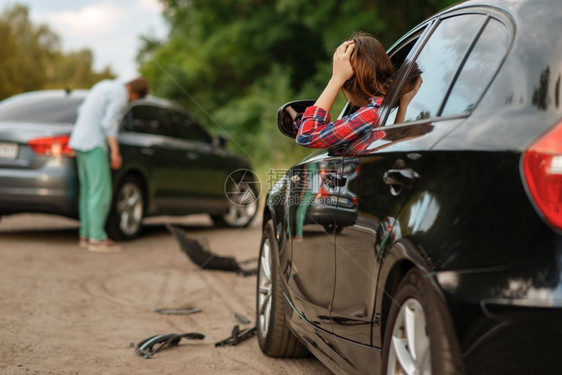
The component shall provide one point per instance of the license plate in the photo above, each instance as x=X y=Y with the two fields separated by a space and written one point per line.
x=8 y=150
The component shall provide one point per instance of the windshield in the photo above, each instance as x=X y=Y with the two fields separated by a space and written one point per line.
x=40 y=108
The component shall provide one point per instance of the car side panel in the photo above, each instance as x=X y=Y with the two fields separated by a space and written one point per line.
x=480 y=218
x=360 y=247
x=340 y=356
x=310 y=215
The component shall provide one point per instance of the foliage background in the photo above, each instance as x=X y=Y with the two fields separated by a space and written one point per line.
x=232 y=63
x=32 y=58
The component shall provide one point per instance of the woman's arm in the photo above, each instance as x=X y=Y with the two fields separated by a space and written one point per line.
x=316 y=130
x=405 y=101
x=341 y=72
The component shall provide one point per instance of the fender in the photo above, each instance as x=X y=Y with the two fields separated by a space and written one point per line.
x=399 y=259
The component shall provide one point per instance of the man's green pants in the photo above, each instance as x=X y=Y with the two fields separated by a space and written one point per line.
x=94 y=175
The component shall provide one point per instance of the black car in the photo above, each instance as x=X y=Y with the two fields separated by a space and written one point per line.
x=171 y=165
x=453 y=261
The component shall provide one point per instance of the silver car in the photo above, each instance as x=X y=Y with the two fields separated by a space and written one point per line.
x=171 y=165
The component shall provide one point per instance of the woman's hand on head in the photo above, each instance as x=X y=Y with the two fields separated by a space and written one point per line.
x=407 y=97
x=342 y=69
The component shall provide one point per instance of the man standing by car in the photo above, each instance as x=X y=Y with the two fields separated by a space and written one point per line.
x=96 y=127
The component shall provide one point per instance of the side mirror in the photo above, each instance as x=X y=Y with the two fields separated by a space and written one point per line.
x=220 y=141
x=287 y=114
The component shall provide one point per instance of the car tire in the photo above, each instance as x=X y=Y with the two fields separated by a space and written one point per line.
x=127 y=210
x=419 y=318
x=274 y=337
x=242 y=207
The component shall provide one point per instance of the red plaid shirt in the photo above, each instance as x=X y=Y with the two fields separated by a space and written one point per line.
x=315 y=129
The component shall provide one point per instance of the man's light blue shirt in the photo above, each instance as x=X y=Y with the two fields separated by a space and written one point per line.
x=99 y=115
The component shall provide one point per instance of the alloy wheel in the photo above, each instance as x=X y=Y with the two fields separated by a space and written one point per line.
x=242 y=207
x=409 y=346
x=130 y=208
x=265 y=288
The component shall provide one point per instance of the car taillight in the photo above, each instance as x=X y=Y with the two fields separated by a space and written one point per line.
x=52 y=146
x=542 y=166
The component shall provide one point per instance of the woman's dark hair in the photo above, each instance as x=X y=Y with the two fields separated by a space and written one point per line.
x=372 y=67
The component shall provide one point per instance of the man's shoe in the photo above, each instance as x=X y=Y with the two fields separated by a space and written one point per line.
x=103 y=246
x=83 y=242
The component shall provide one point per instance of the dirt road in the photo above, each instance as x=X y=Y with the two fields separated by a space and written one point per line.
x=65 y=310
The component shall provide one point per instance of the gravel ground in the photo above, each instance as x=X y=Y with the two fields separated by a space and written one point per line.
x=69 y=311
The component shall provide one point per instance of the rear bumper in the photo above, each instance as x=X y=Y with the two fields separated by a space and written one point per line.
x=516 y=347
x=504 y=323
x=508 y=319
x=53 y=189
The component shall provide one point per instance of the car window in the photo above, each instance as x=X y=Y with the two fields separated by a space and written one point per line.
x=398 y=59
x=439 y=60
x=186 y=127
x=479 y=69
x=399 y=55
x=147 y=119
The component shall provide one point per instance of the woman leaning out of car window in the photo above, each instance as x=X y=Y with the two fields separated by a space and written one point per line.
x=363 y=71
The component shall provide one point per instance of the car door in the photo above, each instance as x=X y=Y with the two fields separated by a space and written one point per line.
x=384 y=171
x=201 y=173
x=311 y=208
x=146 y=135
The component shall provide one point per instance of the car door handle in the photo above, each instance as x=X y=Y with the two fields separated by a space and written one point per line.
x=399 y=179
x=147 y=151
x=192 y=155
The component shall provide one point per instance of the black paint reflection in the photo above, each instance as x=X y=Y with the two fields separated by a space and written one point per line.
x=312 y=206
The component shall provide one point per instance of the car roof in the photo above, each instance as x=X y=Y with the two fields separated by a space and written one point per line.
x=160 y=102
x=527 y=14
x=50 y=94
x=82 y=93
x=521 y=10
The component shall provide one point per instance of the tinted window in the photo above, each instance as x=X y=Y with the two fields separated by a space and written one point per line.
x=398 y=57
x=479 y=69
x=197 y=133
x=439 y=61
x=186 y=127
x=400 y=54
x=41 y=109
x=147 y=119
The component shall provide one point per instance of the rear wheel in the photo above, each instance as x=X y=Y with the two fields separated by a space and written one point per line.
x=419 y=336
x=274 y=337
x=127 y=211
x=242 y=207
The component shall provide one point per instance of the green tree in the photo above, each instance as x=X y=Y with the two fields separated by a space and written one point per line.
x=32 y=58
x=74 y=70
x=240 y=60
